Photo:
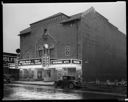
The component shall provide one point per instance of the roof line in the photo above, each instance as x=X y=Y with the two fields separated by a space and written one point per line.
x=50 y=17
x=23 y=33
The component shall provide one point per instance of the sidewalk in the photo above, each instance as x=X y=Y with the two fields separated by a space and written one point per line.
x=34 y=83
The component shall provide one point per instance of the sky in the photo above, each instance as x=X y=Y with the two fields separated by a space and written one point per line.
x=18 y=16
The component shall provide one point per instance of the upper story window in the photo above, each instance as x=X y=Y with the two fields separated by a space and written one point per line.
x=45 y=31
x=45 y=34
x=40 y=53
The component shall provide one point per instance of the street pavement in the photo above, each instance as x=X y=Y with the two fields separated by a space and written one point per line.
x=38 y=92
x=51 y=84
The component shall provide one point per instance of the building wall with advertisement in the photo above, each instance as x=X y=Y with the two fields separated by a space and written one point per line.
x=87 y=36
x=9 y=67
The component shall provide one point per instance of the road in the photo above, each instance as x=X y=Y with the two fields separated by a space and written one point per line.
x=35 y=92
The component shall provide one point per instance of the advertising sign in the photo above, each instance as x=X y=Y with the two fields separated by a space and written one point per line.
x=12 y=65
x=60 y=61
x=66 y=61
x=76 y=62
x=46 y=61
x=56 y=62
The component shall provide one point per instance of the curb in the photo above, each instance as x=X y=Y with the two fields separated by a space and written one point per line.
x=33 y=84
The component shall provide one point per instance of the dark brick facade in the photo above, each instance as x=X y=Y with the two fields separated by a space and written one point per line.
x=88 y=36
x=104 y=49
x=28 y=41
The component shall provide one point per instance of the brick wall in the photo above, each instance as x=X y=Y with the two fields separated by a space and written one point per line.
x=28 y=41
x=104 y=49
x=66 y=35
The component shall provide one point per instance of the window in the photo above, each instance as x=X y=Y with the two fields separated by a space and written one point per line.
x=40 y=53
x=45 y=30
x=45 y=34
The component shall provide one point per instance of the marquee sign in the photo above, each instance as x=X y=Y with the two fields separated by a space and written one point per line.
x=65 y=61
x=47 y=61
x=60 y=61
x=30 y=62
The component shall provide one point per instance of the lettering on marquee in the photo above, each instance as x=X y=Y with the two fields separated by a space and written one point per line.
x=30 y=62
x=76 y=61
x=39 y=61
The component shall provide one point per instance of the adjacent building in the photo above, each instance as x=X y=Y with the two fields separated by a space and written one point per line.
x=83 y=45
x=9 y=65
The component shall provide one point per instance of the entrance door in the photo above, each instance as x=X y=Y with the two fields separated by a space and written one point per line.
x=39 y=74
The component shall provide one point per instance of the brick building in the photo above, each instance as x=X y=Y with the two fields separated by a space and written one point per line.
x=84 y=44
x=9 y=68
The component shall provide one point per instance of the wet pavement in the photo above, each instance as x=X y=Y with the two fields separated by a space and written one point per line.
x=35 y=92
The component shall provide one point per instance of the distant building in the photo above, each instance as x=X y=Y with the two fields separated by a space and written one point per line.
x=9 y=67
x=84 y=44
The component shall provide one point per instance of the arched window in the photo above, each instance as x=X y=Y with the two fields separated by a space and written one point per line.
x=45 y=34
x=45 y=31
x=40 y=53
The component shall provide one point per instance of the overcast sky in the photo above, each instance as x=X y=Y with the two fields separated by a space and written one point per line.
x=17 y=17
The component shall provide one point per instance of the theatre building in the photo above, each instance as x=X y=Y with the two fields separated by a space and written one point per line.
x=83 y=45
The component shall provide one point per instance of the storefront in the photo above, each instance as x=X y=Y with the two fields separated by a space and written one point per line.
x=30 y=69
x=34 y=70
x=65 y=67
